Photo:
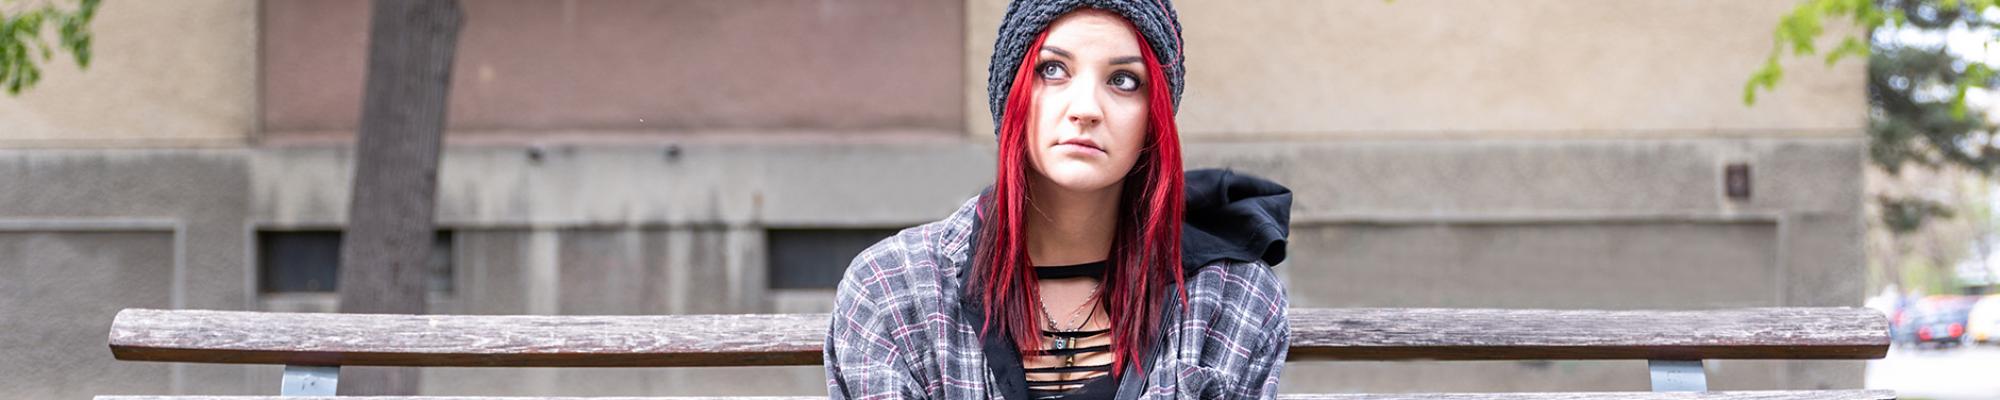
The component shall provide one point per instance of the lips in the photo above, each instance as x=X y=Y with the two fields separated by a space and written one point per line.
x=1081 y=141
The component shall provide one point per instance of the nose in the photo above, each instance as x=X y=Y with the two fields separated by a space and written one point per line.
x=1084 y=110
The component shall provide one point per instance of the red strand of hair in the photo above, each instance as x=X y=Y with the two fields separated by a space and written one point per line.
x=1146 y=250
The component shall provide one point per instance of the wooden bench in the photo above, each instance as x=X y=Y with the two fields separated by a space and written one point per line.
x=312 y=347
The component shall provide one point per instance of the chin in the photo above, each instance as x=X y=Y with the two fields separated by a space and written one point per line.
x=1082 y=178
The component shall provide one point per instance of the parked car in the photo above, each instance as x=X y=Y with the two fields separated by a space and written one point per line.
x=1901 y=331
x=1982 y=324
x=1940 y=321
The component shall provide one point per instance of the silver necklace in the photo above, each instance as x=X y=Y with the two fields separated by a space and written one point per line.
x=1068 y=342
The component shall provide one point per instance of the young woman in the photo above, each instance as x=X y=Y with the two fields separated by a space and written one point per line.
x=1093 y=268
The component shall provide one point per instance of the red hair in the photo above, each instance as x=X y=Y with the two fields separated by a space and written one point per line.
x=1145 y=250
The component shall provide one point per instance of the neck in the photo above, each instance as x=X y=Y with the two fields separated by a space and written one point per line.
x=1067 y=227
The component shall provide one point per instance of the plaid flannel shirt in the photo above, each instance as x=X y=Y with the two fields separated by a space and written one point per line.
x=899 y=331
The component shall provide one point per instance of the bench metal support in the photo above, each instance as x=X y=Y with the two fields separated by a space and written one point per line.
x=1678 y=375
x=310 y=380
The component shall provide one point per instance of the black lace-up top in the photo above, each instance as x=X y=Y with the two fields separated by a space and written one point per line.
x=1098 y=383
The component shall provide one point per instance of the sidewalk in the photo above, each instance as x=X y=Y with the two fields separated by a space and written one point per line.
x=1951 y=374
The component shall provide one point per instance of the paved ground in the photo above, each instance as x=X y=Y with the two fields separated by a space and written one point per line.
x=1951 y=374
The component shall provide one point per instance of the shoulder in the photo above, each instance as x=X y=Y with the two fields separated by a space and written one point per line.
x=917 y=259
x=1250 y=284
x=893 y=269
x=1238 y=295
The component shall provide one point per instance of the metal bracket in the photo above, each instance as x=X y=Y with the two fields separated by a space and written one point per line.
x=1678 y=375
x=310 y=380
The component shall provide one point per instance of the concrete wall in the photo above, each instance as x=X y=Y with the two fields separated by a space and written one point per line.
x=1540 y=153
x=1609 y=224
x=84 y=233
x=84 y=276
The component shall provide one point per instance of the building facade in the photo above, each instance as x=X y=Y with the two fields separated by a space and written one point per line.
x=627 y=157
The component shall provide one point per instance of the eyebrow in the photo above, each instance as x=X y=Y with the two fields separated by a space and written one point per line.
x=1065 y=53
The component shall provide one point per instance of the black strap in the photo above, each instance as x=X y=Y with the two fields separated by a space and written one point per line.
x=1093 y=269
x=1079 y=350
x=1074 y=334
x=1064 y=370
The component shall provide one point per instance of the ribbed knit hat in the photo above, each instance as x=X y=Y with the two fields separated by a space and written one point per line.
x=1155 y=20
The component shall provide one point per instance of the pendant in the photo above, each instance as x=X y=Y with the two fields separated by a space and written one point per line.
x=1065 y=343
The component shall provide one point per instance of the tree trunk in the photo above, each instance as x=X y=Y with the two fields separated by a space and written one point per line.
x=386 y=249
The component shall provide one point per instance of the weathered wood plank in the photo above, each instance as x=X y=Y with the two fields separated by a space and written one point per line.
x=1744 y=395
x=469 y=341
x=795 y=339
x=1497 y=334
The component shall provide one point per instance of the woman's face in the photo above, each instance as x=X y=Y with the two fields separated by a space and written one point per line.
x=1087 y=119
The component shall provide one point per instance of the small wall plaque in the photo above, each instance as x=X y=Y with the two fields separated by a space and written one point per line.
x=1736 y=181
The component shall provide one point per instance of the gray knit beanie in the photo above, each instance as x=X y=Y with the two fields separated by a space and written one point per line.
x=1155 y=20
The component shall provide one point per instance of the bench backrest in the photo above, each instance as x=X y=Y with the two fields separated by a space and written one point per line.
x=314 y=345
x=795 y=339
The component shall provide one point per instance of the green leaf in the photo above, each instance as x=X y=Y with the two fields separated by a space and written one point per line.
x=1765 y=78
x=21 y=40
x=1851 y=46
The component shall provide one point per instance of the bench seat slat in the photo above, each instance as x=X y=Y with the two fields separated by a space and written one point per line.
x=1727 y=395
x=206 y=336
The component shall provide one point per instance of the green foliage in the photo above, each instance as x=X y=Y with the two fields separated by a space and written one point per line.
x=1925 y=276
x=1916 y=92
x=22 y=40
x=1800 y=29
x=1905 y=215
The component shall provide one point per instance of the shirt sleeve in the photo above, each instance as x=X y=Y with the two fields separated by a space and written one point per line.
x=1260 y=381
x=861 y=357
x=1262 y=295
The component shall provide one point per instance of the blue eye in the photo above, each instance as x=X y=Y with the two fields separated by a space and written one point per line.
x=1052 y=70
x=1125 y=82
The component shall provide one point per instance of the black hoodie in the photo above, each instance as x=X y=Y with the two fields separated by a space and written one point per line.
x=1233 y=216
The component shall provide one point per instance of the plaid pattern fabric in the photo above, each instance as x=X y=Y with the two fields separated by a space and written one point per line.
x=898 y=332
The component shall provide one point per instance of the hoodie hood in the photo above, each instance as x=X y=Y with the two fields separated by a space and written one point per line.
x=1233 y=216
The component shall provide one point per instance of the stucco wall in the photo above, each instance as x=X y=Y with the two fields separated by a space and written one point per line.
x=163 y=74
x=1531 y=68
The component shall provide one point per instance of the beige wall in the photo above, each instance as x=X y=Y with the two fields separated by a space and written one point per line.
x=185 y=72
x=1523 y=68
x=164 y=73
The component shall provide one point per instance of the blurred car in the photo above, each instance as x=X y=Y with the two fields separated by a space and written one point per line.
x=1940 y=320
x=1901 y=331
x=1982 y=324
